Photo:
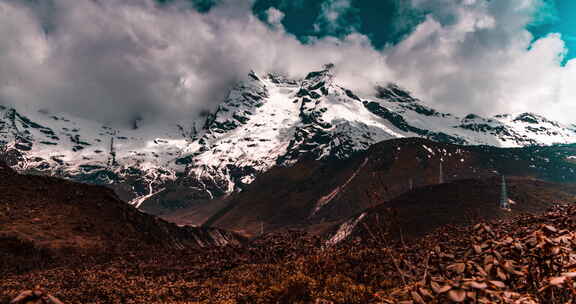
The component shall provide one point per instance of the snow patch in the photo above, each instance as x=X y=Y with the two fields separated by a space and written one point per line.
x=428 y=149
x=345 y=230
x=323 y=201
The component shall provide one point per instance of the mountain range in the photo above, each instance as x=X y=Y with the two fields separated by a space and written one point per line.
x=267 y=121
x=290 y=191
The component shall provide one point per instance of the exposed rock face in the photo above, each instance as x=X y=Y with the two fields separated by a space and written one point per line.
x=266 y=121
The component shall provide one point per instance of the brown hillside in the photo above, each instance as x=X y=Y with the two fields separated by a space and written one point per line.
x=464 y=202
x=50 y=217
x=517 y=259
x=289 y=197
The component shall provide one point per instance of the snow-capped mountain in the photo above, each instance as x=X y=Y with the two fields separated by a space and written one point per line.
x=265 y=121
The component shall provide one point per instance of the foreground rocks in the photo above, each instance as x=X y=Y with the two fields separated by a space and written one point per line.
x=85 y=246
x=529 y=259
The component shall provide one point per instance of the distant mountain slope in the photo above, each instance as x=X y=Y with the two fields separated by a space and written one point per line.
x=46 y=214
x=265 y=121
x=312 y=192
x=463 y=202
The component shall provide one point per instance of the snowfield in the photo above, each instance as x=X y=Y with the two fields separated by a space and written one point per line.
x=267 y=120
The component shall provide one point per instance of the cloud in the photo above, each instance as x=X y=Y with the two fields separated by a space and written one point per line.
x=115 y=60
x=336 y=17
x=478 y=57
x=332 y=11
x=275 y=16
x=546 y=14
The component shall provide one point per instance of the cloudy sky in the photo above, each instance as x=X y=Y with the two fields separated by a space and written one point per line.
x=113 y=60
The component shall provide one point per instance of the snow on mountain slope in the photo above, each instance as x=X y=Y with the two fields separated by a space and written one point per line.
x=266 y=120
x=87 y=151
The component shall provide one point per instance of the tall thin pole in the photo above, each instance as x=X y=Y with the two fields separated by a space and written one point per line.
x=441 y=174
x=112 y=152
x=504 y=195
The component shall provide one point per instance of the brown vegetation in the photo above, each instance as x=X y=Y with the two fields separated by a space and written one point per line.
x=526 y=260
x=287 y=197
x=56 y=236
x=463 y=202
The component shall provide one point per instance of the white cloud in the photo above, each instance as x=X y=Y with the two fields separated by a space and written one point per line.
x=478 y=57
x=332 y=10
x=330 y=19
x=116 y=59
x=275 y=16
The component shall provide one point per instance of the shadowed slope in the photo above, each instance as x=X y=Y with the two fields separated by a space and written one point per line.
x=463 y=202
x=314 y=193
x=47 y=216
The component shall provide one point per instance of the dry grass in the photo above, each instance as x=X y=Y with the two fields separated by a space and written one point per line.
x=530 y=259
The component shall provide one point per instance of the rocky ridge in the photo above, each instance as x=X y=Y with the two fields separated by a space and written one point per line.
x=265 y=121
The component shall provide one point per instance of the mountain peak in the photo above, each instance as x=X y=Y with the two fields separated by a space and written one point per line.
x=502 y=116
x=328 y=71
x=281 y=79
x=253 y=75
x=532 y=118
x=395 y=93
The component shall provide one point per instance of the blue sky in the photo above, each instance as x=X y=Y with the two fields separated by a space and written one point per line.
x=387 y=22
x=384 y=21
x=558 y=16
